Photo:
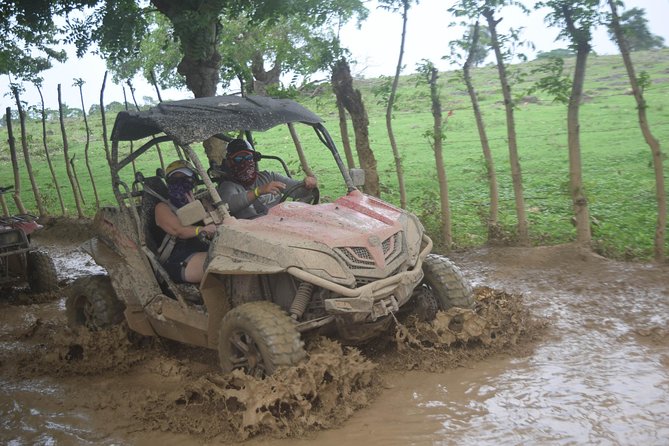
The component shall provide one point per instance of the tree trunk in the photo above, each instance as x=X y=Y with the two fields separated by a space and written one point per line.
x=439 y=159
x=26 y=156
x=262 y=79
x=579 y=200
x=104 y=119
x=132 y=146
x=652 y=142
x=15 y=164
x=389 y=110
x=3 y=204
x=201 y=60
x=345 y=139
x=48 y=157
x=86 y=147
x=516 y=175
x=70 y=174
x=493 y=229
x=342 y=83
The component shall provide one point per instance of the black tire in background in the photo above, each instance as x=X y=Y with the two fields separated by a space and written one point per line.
x=258 y=337
x=42 y=275
x=92 y=303
x=446 y=282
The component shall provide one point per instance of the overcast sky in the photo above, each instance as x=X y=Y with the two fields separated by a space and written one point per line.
x=375 y=47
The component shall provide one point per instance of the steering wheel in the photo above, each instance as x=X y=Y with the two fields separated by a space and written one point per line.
x=312 y=197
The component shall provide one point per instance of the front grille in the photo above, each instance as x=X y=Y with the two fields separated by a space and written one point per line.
x=359 y=257
x=356 y=257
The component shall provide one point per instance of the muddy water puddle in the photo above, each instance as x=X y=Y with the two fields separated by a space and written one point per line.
x=597 y=374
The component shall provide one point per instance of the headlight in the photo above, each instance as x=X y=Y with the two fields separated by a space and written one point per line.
x=322 y=265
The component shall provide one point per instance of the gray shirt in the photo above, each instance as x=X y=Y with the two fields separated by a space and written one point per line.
x=235 y=195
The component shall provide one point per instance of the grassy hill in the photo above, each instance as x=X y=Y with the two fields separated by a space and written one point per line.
x=617 y=168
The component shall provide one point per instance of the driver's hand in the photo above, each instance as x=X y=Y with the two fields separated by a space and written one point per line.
x=310 y=182
x=273 y=187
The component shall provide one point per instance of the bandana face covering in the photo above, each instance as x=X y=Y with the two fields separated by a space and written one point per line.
x=179 y=190
x=243 y=167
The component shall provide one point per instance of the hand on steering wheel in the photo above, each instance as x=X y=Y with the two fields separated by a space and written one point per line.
x=311 y=197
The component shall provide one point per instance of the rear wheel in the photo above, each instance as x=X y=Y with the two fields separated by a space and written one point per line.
x=445 y=282
x=92 y=303
x=41 y=272
x=258 y=337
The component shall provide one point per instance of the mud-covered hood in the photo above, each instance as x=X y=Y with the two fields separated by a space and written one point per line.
x=356 y=234
x=349 y=221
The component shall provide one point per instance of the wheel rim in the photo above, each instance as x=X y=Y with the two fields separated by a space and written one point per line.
x=246 y=355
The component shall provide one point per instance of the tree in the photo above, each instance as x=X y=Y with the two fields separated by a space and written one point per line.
x=30 y=37
x=653 y=143
x=470 y=44
x=351 y=99
x=480 y=48
x=489 y=9
x=430 y=75
x=634 y=28
x=556 y=53
x=119 y=27
x=395 y=6
x=576 y=20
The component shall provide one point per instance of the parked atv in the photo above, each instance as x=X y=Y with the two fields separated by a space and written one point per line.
x=20 y=262
x=340 y=268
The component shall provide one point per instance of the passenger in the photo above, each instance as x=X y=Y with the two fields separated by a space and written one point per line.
x=251 y=193
x=185 y=263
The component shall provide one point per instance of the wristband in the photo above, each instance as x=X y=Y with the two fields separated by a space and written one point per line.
x=197 y=230
x=256 y=192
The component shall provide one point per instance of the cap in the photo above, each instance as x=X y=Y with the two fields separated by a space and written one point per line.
x=237 y=145
x=179 y=166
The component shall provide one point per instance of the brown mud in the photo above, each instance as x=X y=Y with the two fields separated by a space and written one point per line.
x=563 y=346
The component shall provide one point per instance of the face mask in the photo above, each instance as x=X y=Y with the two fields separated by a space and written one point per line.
x=180 y=190
x=243 y=167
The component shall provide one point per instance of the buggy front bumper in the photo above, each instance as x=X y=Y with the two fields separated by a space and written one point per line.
x=375 y=299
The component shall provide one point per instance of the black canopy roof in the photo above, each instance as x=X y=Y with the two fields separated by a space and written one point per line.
x=194 y=120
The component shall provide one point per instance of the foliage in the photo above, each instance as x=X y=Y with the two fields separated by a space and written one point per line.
x=461 y=48
x=554 y=82
x=617 y=165
x=30 y=37
x=556 y=53
x=575 y=19
x=634 y=26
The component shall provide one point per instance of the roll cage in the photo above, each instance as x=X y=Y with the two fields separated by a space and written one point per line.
x=194 y=120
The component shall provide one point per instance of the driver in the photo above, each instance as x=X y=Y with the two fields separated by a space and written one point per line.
x=250 y=193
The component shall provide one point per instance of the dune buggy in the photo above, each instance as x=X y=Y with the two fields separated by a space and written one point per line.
x=20 y=262
x=340 y=268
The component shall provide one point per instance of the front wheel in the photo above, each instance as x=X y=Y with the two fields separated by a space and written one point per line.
x=92 y=303
x=42 y=275
x=258 y=337
x=445 y=282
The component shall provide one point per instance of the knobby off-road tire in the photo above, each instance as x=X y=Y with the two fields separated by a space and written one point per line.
x=92 y=303
x=258 y=337
x=42 y=275
x=446 y=282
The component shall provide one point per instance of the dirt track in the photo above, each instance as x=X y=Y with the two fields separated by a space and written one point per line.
x=566 y=347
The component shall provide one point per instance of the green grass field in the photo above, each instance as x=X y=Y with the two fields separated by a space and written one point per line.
x=617 y=168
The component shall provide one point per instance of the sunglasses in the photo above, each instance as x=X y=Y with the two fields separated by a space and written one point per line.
x=242 y=158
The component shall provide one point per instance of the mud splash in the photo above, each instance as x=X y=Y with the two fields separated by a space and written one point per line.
x=196 y=399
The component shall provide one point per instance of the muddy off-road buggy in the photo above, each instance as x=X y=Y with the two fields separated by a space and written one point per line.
x=340 y=268
x=20 y=262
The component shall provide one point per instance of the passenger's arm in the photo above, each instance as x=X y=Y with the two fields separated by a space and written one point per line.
x=168 y=221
